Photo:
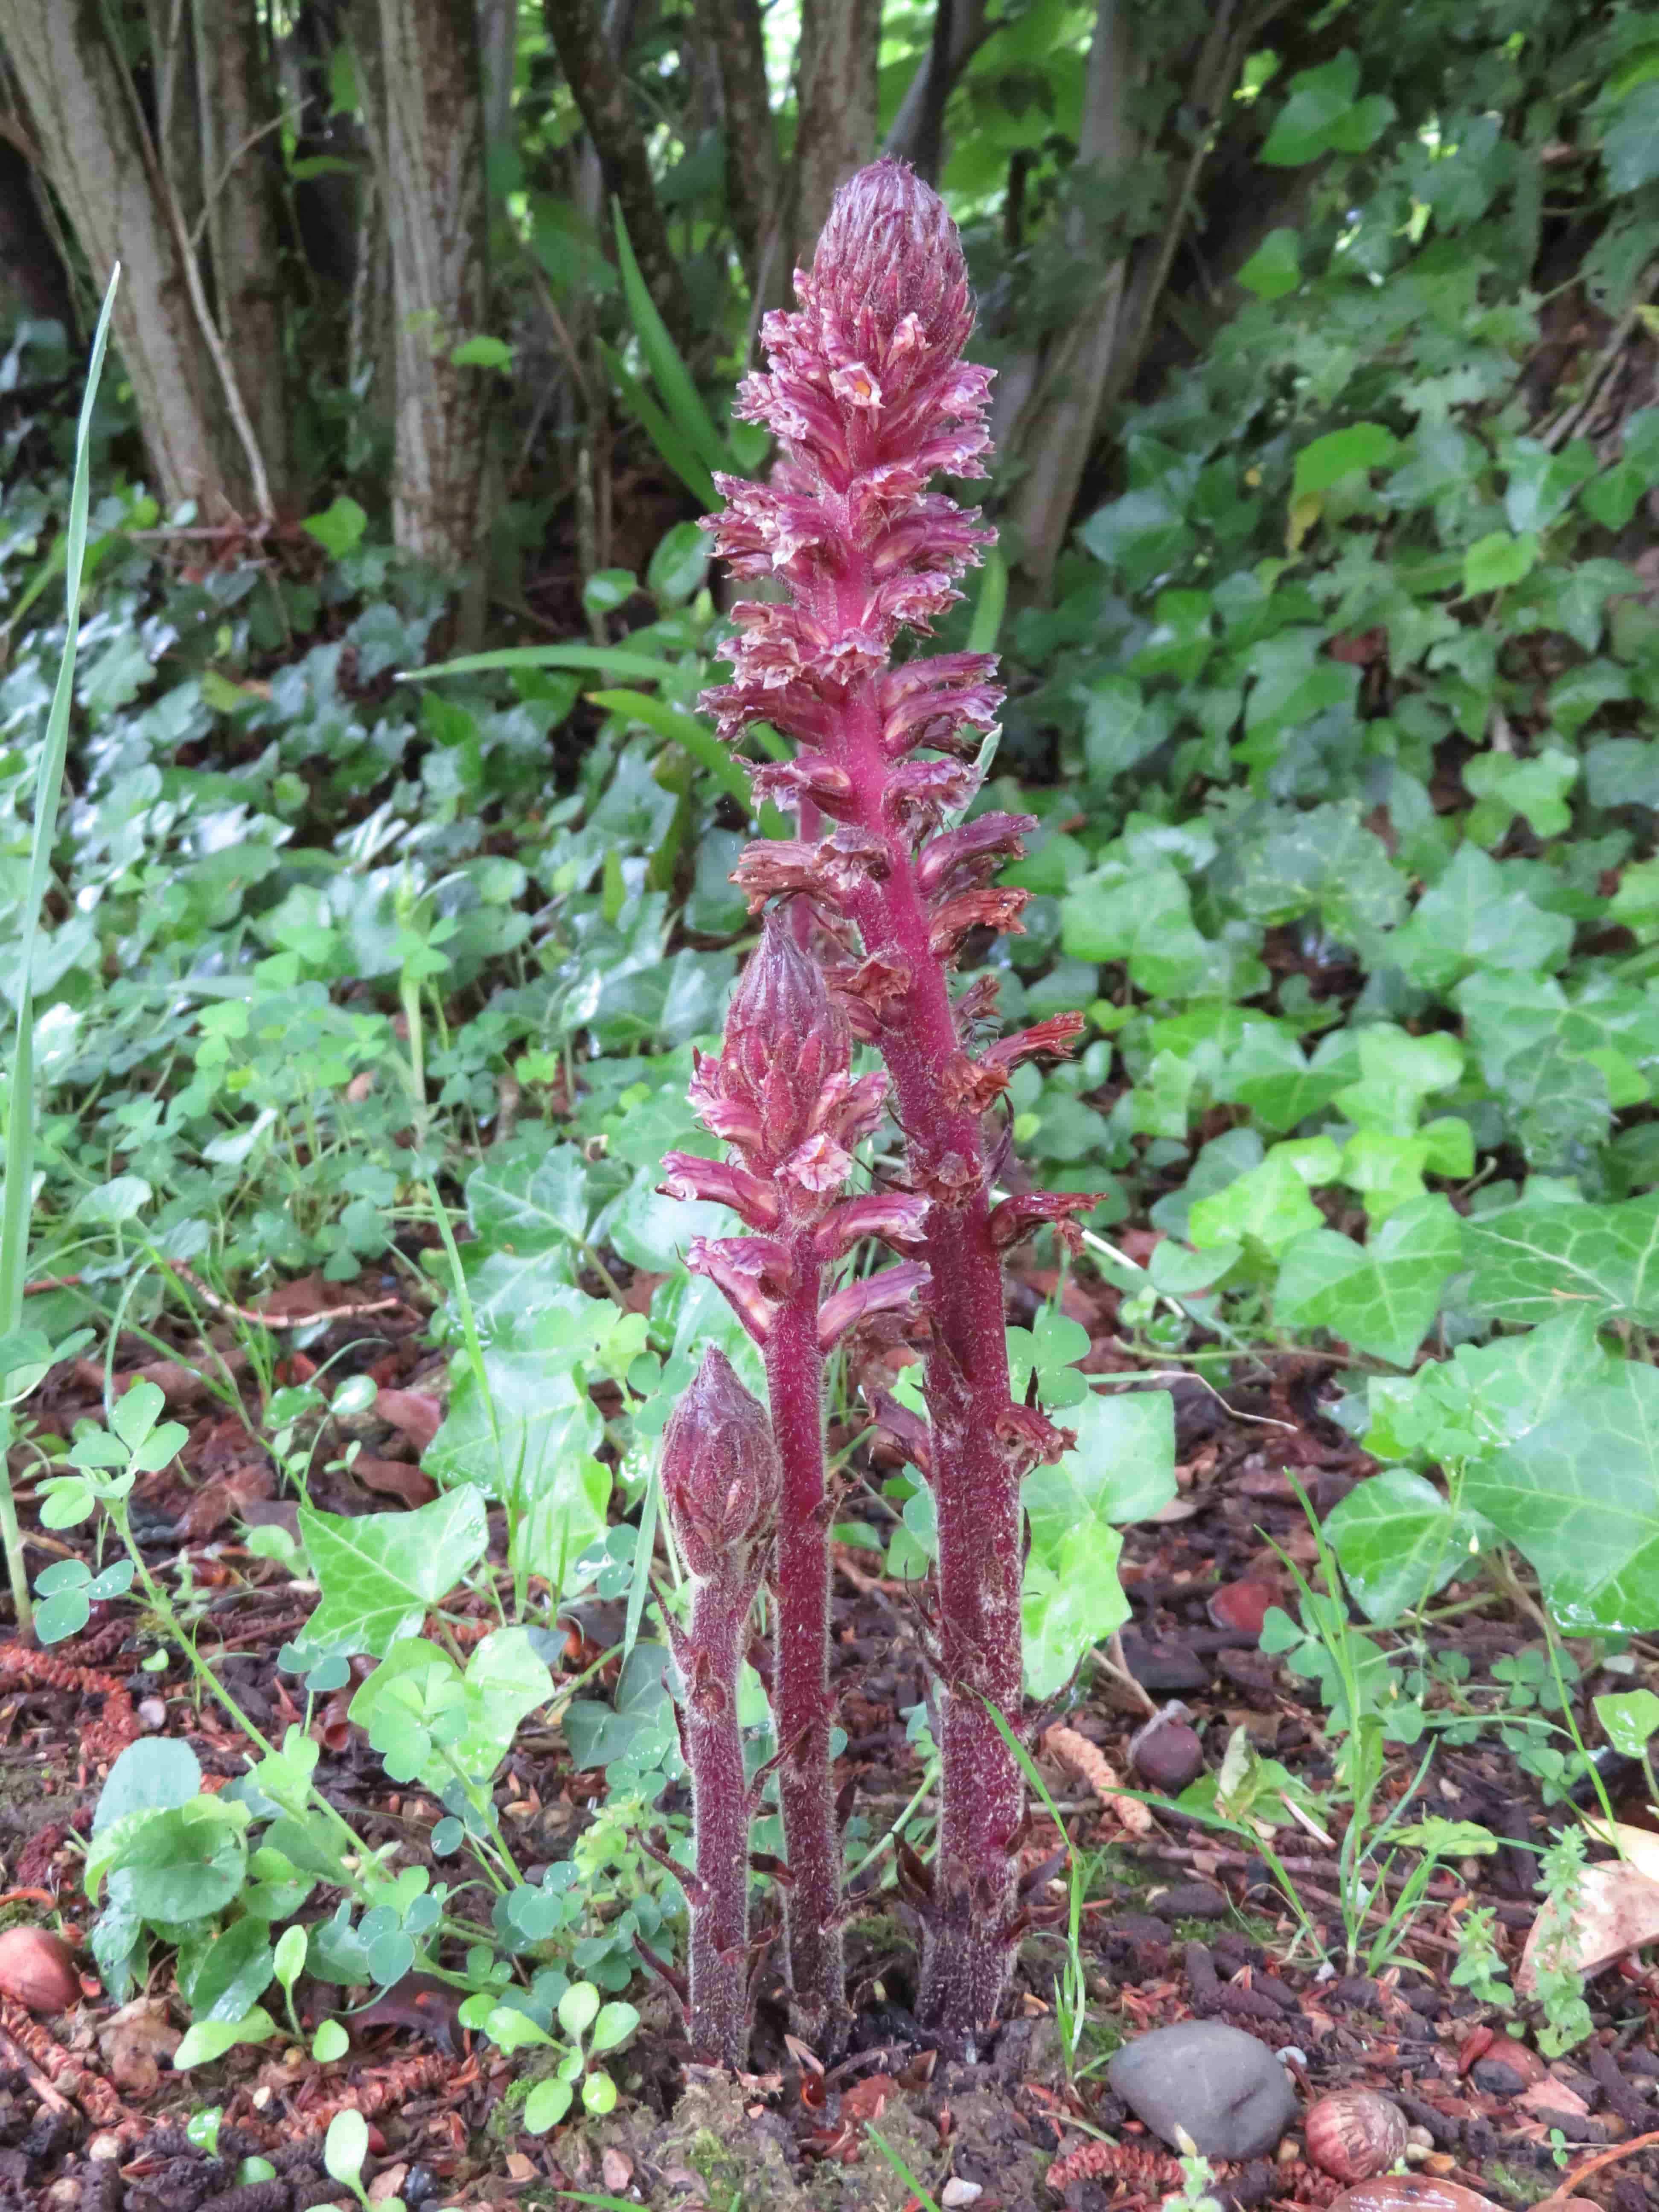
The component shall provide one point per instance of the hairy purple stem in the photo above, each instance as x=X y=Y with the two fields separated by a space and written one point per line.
x=719 y=1899
x=720 y=1483
x=802 y=1705
x=969 y=1938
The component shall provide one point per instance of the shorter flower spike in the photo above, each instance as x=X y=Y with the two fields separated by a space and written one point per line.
x=721 y=1484
x=721 y=1478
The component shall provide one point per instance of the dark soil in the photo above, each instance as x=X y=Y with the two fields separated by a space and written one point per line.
x=1180 y=1922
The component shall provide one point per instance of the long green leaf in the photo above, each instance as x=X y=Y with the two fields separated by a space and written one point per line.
x=663 y=436
x=672 y=377
x=686 y=730
x=989 y=606
x=20 y=1121
x=21 y=1102
x=639 y=667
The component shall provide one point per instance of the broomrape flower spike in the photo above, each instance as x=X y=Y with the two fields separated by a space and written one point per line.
x=783 y=1096
x=869 y=397
x=720 y=1481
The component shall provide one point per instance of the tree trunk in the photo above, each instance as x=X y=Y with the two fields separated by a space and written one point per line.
x=29 y=261
x=1050 y=404
x=498 y=44
x=429 y=146
x=754 y=183
x=839 y=41
x=103 y=169
x=1057 y=424
x=242 y=185
x=598 y=83
x=960 y=29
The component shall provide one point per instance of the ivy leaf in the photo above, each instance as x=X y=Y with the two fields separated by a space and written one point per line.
x=1381 y=1297
x=1268 y=1204
x=380 y=1573
x=1271 y=1075
x=1472 y=919
x=1317 y=97
x=1397 y=1542
x=1361 y=445
x=1495 y=562
x=1275 y=268
x=1630 y=1718
x=1630 y=151
x=1122 y=1469
x=530 y=1205
x=1530 y=1262
x=1579 y=1497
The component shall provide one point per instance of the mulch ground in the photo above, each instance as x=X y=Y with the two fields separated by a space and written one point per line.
x=1180 y=1923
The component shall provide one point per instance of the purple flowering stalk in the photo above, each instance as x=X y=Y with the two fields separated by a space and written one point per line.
x=783 y=1099
x=869 y=397
x=721 y=1486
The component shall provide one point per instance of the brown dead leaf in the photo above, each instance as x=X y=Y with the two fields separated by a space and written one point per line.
x=1553 y=2101
x=305 y=1294
x=395 y=1478
x=519 y=2167
x=616 y=2169
x=134 y=2041
x=867 y=2100
x=228 y=1498
x=1619 y=1911
x=388 y=2182
x=418 y=1413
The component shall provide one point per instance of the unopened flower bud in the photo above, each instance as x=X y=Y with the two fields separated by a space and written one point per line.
x=889 y=252
x=721 y=1474
x=785 y=1043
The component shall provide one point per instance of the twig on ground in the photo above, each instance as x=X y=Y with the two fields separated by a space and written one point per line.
x=229 y=1307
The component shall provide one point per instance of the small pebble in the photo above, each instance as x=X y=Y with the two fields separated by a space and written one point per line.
x=957 y=2192
x=1216 y=2084
x=1166 y=1754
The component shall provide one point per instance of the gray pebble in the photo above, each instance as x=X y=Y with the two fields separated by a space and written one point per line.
x=1228 y=2092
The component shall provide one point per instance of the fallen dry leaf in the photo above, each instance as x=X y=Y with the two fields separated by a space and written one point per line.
x=616 y=2169
x=395 y=1478
x=416 y=1412
x=1619 y=1911
x=1411 y=2192
x=1639 y=1846
x=226 y=1498
x=1550 y=2099
x=134 y=2041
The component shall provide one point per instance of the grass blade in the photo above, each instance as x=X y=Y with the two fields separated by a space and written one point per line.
x=668 y=441
x=19 y=1117
x=687 y=731
x=635 y=667
x=989 y=606
x=672 y=377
